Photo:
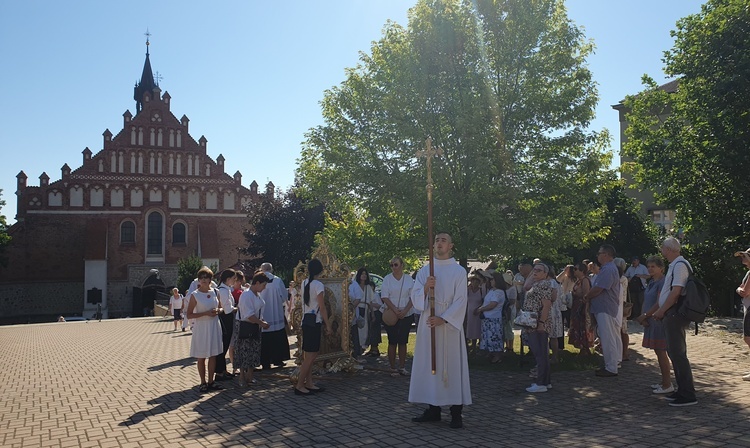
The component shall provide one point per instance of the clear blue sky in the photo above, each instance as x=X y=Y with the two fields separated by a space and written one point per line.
x=248 y=74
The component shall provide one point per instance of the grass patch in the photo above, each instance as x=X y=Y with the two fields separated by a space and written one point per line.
x=512 y=362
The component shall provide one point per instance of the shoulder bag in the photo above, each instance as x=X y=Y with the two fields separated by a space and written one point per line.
x=248 y=330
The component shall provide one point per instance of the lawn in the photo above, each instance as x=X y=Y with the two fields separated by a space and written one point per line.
x=569 y=359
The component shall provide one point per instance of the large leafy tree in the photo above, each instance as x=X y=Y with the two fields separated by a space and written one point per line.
x=693 y=146
x=282 y=229
x=503 y=89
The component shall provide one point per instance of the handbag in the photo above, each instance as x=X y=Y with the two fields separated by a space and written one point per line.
x=248 y=330
x=309 y=319
x=526 y=319
x=389 y=317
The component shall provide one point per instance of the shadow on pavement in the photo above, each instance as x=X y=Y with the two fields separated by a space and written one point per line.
x=183 y=363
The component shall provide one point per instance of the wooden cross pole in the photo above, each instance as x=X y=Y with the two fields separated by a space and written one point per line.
x=428 y=153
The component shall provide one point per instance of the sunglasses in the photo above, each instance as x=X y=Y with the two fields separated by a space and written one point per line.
x=395 y=265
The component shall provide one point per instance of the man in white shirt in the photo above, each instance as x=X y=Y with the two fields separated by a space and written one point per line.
x=674 y=324
x=449 y=384
x=637 y=275
x=274 y=345
x=396 y=296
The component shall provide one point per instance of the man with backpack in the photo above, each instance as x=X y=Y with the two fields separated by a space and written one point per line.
x=675 y=324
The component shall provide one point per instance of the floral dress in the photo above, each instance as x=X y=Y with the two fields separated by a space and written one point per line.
x=580 y=334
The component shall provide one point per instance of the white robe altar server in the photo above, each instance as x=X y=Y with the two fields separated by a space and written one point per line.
x=449 y=386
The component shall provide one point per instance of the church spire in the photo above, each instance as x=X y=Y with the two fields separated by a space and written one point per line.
x=147 y=79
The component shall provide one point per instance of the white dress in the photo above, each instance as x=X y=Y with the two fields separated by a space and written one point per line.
x=206 y=341
x=450 y=384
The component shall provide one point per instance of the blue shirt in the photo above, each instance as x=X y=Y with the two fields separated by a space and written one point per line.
x=608 y=301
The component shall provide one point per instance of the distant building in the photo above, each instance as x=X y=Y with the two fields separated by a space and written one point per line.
x=661 y=215
x=110 y=232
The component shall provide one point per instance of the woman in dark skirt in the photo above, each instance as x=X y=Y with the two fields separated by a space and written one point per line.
x=314 y=314
x=250 y=308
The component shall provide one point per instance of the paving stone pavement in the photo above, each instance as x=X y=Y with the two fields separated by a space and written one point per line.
x=130 y=383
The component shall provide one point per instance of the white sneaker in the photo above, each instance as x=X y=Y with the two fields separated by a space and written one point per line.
x=746 y=377
x=535 y=388
x=660 y=390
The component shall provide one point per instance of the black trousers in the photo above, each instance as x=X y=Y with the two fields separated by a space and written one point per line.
x=227 y=327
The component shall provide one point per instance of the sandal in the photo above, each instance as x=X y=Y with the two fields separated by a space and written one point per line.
x=203 y=388
x=403 y=372
x=214 y=386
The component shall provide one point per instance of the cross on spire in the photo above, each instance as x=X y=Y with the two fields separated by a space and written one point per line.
x=148 y=35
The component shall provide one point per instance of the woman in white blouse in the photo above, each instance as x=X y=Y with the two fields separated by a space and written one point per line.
x=314 y=313
x=491 y=313
x=249 y=308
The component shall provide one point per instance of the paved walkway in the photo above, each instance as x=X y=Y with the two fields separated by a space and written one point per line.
x=129 y=382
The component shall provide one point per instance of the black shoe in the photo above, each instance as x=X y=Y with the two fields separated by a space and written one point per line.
x=299 y=392
x=457 y=421
x=429 y=415
x=214 y=386
x=680 y=401
x=318 y=390
x=671 y=397
x=604 y=373
x=203 y=388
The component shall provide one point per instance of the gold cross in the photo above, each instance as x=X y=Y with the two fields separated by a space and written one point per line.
x=428 y=153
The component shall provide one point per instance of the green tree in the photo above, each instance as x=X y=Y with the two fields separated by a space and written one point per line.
x=282 y=229
x=692 y=146
x=503 y=89
x=360 y=239
x=631 y=233
x=186 y=270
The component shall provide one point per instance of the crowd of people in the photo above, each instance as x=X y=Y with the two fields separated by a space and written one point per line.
x=588 y=301
x=219 y=316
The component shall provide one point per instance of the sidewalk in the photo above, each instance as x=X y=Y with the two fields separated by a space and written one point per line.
x=129 y=382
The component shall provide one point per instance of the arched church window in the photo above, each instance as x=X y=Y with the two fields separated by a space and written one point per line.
x=154 y=234
x=127 y=232
x=179 y=234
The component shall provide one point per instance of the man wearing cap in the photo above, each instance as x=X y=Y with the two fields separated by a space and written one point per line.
x=637 y=275
x=744 y=291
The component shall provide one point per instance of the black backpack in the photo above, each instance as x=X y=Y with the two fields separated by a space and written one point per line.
x=694 y=300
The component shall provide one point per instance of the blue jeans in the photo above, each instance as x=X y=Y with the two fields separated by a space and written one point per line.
x=674 y=330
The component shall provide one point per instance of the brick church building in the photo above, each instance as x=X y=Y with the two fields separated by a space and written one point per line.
x=109 y=233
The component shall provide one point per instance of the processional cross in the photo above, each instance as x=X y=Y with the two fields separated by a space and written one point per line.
x=428 y=153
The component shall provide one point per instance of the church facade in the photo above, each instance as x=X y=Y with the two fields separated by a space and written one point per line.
x=108 y=234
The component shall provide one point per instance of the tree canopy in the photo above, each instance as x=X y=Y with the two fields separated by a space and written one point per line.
x=503 y=89
x=282 y=229
x=691 y=146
